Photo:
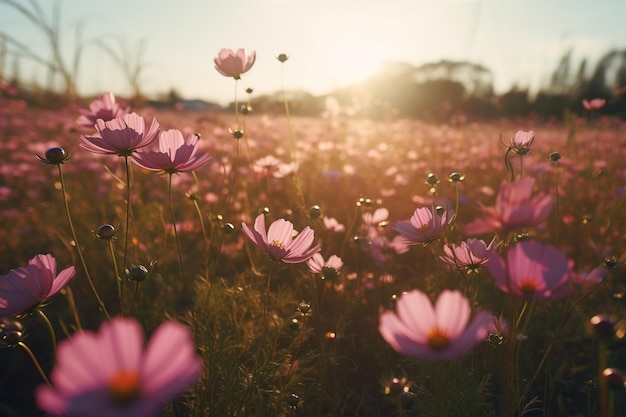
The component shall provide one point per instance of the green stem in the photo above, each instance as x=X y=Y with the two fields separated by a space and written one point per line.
x=35 y=362
x=78 y=248
x=118 y=279
x=180 y=252
x=53 y=336
x=132 y=303
x=127 y=165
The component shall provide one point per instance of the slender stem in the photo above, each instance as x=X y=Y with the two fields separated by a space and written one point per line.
x=118 y=279
x=180 y=252
x=72 y=302
x=78 y=248
x=127 y=165
x=132 y=303
x=53 y=336
x=35 y=362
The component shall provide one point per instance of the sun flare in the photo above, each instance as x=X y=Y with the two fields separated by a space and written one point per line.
x=355 y=59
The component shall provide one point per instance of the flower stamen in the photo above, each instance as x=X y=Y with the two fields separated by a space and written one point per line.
x=124 y=386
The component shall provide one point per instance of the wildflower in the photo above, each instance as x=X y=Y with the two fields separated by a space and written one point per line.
x=175 y=154
x=588 y=279
x=279 y=240
x=333 y=225
x=106 y=108
x=514 y=209
x=425 y=226
x=440 y=331
x=233 y=64
x=110 y=373
x=328 y=269
x=521 y=142
x=594 y=104
x=27 y=287
x=471 y=254
x=532 y=270
x=121 y=136
x=54 y=156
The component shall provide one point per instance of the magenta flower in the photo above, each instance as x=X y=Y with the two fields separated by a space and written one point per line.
x=442 y=331
x=594 y=104
x=532 y=270
x=233 y=64
x=121 y=136
x=27 y=287
x=425 y=226
x=279 y=240
x=471 y=254
x=111 y=374
x=175 y=154
x=521 y=142
x=105 y=108
x=515 y=209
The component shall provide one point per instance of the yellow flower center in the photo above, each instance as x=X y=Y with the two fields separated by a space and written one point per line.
x=276 y=243
x=528 y=286
x=438 y=339
x=423 y=228
x=124 y=386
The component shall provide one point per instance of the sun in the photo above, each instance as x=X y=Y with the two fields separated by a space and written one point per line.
x=353 y=60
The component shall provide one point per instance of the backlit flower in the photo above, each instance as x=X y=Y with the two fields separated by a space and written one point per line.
x=112 y=374
x=440 y=331
x=328 y=269
x=233 y=64
x=515 y=209
x=426 y=225
x=594 y=104
x=175 y=154
x=121 y=136
x=26 y=287
x=279 y=241
x=521 y=142
x=532 y=270
x=333 y=225
x=470 y=254
x=105 y=108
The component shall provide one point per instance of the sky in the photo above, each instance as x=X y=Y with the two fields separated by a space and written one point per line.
x=330 y=43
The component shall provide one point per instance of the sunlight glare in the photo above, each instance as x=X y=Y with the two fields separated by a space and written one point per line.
x=354 y=60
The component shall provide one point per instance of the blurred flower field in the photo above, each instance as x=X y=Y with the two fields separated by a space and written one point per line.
x=288 y=266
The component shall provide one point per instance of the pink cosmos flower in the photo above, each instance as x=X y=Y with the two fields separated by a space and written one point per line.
x=332 y=224
x=532 y=270
x=471 y=254
x=111 y=374
x=279 y=240
x=121 y=136
x=425 y=226
x=442 y=331
x=515 y=209
x=175 y=155
x=26 y=287
x=594 y=104
x=588 y=279
x=105 y=108
x=521 y=142
x=317 y=264
x=233 y=64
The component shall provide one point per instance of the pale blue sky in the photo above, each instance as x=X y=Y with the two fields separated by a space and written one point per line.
x=330 y=42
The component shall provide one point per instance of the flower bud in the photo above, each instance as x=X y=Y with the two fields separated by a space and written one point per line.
x=555 y=156
x=137 y=273
x=456 y=177
x=432 y=179
x=614 y=378
x=304 y=308
x=292 y=400
x=249 y=90
x=282 y=57
x=602 y=326
x=55 y=156
x=105 y=232
x=315 y=212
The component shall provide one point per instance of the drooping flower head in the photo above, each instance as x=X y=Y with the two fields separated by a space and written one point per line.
x=532 y=270
x=594 y=104
x=279 y=241
x=112 y=374
x=121 y=136
x=522 y=141
x=233 y=64
x=440 y=331
x=515 y=209
x=27 y=287
x=175 y=154
x=105 y=108
x=425 y=226
x=471 y=254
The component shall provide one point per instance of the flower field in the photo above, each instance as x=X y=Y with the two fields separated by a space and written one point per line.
x=186 y=263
